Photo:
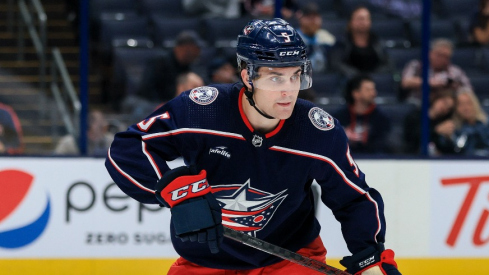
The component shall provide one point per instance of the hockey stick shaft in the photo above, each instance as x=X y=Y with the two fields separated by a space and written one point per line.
x=281 y=252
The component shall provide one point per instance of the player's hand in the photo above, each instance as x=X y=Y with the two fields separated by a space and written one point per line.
x=196 y=214
x=371 y=261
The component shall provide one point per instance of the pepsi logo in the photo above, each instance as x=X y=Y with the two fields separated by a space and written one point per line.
x=15 y=185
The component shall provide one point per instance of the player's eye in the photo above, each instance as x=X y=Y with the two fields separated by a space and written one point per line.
x=277 y=79
x=295 y=78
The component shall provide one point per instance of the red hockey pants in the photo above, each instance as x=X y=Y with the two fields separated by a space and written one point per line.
x=315 y=250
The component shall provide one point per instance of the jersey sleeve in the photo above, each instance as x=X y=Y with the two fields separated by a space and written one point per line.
x=137 y=158
x=355 y=205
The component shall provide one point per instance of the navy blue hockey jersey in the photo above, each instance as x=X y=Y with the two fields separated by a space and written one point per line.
x=262 y=181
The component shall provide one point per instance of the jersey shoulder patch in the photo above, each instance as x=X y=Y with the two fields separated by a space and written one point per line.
x=204 y=95
x=321 y=119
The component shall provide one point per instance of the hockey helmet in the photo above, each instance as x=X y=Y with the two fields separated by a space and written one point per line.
x=273 y=43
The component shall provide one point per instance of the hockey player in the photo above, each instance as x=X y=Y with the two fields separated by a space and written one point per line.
x=253 y=150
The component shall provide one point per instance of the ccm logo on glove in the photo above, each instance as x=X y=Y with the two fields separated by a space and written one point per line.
x=195 y=213
x=180 y=193
x=368 y=261
x=186 y=187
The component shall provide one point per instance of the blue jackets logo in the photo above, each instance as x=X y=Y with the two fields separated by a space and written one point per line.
x=321 y=119
x=15 y=185
x=248 y=29
x=245 y=208
x=204 y=95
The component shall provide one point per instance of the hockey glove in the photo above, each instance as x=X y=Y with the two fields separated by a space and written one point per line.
x=196 y=214
x=371 y=261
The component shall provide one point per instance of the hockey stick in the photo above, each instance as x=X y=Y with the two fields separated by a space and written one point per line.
x=281 y=252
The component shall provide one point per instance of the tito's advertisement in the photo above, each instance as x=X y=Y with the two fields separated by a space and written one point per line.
x=460 y=209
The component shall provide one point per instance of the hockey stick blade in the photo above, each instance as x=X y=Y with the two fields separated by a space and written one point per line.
x=281 y=252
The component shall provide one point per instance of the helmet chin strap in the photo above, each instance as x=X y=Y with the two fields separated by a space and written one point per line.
x=249 y=97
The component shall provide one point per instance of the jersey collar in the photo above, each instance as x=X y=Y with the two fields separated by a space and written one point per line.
x=247 y=122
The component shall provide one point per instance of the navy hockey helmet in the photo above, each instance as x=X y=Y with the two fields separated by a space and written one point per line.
x=273 y=43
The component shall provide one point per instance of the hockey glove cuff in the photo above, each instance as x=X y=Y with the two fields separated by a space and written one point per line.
x=181 y=184
x=371 y=261
x=196 y=214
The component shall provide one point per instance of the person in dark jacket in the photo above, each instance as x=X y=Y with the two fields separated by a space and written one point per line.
x=361 y=50
x=366 y=126
x=159 y=81
x=441 y=125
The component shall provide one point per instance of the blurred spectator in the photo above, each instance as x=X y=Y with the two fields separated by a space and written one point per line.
x=442 y=74
x=441 y=109
x=187 y=81
x=158 y=84
x=317 y=40
x=471 y=132
x=213 y=8
x=140 y=108
x=362 y=51
x=478 y=28
x=222 y=70
x=366 y=126
x=98 y=135
x=10 y=131
x=266 y=8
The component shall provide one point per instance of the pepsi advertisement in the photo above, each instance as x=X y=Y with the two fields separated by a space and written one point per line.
x=70 y=208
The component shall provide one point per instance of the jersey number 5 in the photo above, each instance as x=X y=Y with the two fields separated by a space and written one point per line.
x=146 y=124
x=352 y=162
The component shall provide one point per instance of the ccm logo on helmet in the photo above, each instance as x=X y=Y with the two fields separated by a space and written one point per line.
x=289 y=53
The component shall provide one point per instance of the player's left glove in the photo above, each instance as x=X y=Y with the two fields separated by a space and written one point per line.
x=196 y=214
x=371 y=261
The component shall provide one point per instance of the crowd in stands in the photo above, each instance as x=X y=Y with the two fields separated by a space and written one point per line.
x=366 y=58
x=99 y=138
x=365 y=54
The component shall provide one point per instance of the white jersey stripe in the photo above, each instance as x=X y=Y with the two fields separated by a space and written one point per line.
x=323 y=158
x=340 y=172
x=233 y=224
x=135 y=182
x=151 y=160
x=377 y=213
x=194 y=131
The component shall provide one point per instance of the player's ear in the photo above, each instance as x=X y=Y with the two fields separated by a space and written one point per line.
x=245 y=78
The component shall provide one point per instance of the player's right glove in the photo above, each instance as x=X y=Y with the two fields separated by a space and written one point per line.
x=371 y=261
x=196 y=214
